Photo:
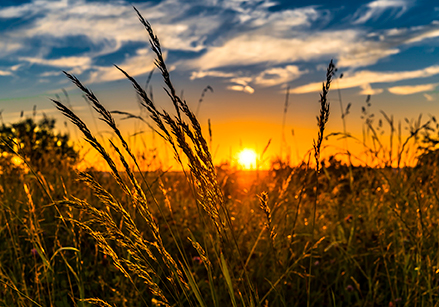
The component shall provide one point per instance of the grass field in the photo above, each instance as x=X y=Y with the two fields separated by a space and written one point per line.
x=323 y=233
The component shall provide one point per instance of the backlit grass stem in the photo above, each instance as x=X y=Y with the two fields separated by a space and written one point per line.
x=322 y=119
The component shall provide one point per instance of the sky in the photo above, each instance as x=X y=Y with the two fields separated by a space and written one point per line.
x=249 y=52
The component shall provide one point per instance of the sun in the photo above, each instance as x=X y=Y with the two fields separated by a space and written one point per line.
x=247 y=158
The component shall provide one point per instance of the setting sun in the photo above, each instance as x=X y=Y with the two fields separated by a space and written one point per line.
x=247 y=158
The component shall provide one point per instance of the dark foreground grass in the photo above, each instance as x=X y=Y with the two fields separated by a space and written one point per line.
x=323 y=235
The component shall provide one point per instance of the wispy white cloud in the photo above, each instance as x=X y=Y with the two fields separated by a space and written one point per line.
x=412 y=89
x=212 y=73
x=268 y=77
x=8 y=47
x=375 y=9
x=351 y=47
x=5 y=73
x=241 y=88
x=364 y=54
x=367 y=89
x=278 y=75
x=139 y=64
x=365 y=78
x=63 y=62
x=241 y=84
x=111 y=24
x=261 y=17
x=429 y=97
x=16 y=67
x=32 y=8
x=50 y=74
x=407 y=36
x=433 y=33
x=256 y=48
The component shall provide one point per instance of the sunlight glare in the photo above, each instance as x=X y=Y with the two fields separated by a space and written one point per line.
x=247 y=158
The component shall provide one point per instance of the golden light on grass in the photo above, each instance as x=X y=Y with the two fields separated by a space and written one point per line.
x=247 y=158
x=16 y=161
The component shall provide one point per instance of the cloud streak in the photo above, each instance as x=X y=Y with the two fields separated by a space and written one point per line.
x=63 y=62
x=375 y=9
x=139 y=64
x=365 y=78
x=412 y=89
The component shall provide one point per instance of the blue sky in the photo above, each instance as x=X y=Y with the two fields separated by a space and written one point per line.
x=248 y=51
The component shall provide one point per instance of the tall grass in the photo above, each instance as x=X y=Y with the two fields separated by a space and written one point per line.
x=168 y=277
x=320 y=234
x=322 y=119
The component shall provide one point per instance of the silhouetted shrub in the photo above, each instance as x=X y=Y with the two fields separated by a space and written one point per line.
x=39 y=143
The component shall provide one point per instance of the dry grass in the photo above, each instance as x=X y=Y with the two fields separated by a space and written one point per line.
x=332 y=235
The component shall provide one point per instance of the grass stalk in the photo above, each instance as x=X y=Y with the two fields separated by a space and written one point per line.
x=322 y=119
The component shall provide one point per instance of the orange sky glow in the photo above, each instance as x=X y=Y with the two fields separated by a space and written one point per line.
x=247 y=54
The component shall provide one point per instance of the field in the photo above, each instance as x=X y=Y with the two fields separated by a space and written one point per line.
x=323 y=233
